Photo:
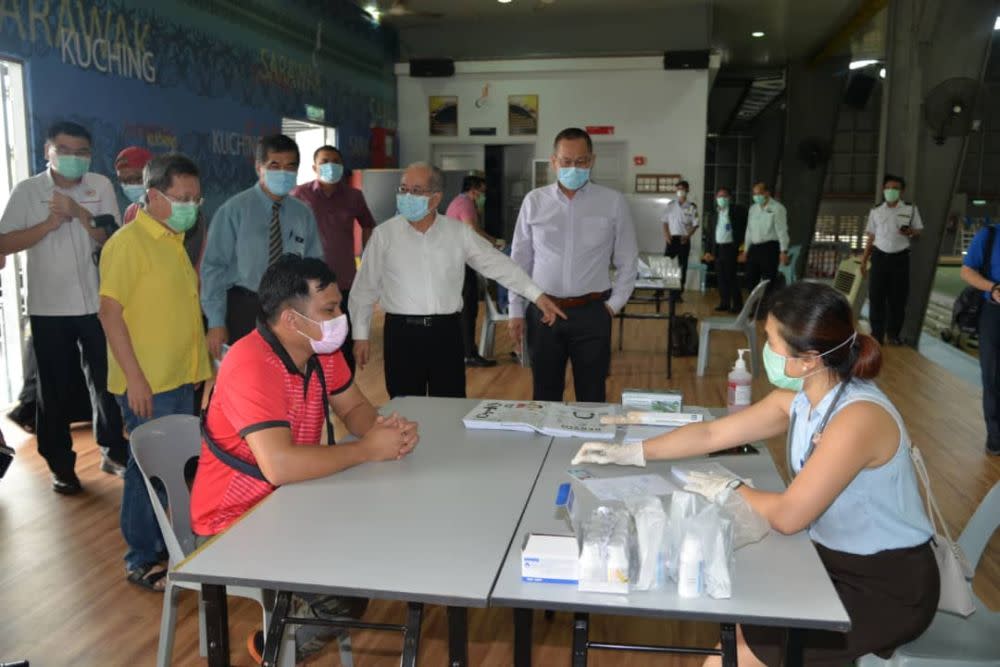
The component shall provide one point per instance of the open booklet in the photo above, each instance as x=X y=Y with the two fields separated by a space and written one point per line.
x=555 y=419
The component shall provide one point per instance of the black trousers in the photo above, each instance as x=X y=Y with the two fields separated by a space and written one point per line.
x=676 y=247
x=423 y=356
x=584 y=339
x=888 y=289
x=470 y=311
x=989 y=363
x=242 y=308
x=726 y=268
x=61 y=343
x=762 y=264
x=348 y=347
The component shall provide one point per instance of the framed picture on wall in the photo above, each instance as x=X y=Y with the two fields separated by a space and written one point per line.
x=522 y=115
x=443 y=111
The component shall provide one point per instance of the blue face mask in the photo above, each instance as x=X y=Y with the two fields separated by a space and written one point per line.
x=133 y=191
x=279 y=182
x=412 y=207
x=774 y=364
x=331 y=172
x=573 y=178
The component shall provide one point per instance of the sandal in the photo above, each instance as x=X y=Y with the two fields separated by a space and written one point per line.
x=143 y=577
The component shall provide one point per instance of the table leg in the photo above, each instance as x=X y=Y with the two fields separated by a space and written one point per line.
x=728 y=645
x=671 y=311
x=411 y=634
x=793 y=648
x=458 y=636
x=216 y=624
x=621 y=328
x=581 y=629
x=276 y=629
x=522 y=637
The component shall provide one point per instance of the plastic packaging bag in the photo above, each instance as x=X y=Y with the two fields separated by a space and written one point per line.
x=748 y=525
x=683 y=506
x=715 y=532
x=606 y=554
x=650 y=532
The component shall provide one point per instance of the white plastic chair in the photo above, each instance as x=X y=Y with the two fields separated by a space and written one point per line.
x=746 y=322
x=953 y=641
x=162 y=449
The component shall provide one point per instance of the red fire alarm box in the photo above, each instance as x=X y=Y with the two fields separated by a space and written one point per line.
x=639 y=160
x=384 y=153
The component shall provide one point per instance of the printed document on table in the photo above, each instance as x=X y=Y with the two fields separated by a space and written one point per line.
x=632 y=486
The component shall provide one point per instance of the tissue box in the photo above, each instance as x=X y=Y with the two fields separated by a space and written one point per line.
x=652 y=401
x=550 y=559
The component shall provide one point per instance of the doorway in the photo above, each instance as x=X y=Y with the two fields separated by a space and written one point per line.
x=14 y=167
x=309 y=136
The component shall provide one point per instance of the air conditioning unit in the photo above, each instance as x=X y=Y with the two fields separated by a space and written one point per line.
x=849 y=282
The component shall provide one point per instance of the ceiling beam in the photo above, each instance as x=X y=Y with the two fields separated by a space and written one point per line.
x=866 y=12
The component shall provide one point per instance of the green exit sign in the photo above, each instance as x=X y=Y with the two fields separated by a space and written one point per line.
x=317 y=114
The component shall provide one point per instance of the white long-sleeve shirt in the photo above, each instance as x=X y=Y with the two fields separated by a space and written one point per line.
x=768 y=223
x=568 y=245
x=414 y=273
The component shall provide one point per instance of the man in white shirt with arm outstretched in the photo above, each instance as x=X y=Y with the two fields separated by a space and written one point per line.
x=414 y=267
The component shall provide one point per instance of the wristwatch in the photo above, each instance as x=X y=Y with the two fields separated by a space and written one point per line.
x=735 y=482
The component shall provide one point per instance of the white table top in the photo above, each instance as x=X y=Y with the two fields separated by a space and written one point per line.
x=434 y=527
x=778 y=581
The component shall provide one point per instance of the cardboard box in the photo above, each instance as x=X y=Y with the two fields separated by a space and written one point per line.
x=550 y=559
x=670 y=400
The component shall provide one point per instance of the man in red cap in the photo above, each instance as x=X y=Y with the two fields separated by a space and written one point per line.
x=129 y=165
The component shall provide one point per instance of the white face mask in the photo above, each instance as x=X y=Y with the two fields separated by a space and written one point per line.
x=334 y=333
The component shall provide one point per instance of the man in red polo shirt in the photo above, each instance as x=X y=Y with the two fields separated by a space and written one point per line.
x=267 y=413
x=336 y=206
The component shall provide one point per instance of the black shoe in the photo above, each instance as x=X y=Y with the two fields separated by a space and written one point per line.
x=679 y=299
x=736 y=311
x=895 y=342
x=476 y=361
x=24 y=416
x=67 y=484
x=111 y=466
x=721 y=309
x=992 y=451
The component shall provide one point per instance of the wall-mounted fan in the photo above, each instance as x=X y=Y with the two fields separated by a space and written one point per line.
x=953 y=108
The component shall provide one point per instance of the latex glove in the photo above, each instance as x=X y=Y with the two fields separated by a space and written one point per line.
x=603 y=453
x=712 y=486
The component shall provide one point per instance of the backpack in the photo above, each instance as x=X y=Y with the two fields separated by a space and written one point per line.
x=684 y=336
x=965 y=312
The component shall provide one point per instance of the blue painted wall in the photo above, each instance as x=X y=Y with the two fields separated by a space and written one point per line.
x=205 y=77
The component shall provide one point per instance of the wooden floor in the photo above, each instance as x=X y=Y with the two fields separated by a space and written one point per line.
x=64 y=599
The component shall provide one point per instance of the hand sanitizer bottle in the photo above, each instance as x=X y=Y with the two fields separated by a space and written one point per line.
x=740 y=381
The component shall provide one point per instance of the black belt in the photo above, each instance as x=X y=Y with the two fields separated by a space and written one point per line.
x=883 y=252
x=422 y=320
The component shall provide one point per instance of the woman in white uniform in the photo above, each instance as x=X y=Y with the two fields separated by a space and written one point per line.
x=854 y=488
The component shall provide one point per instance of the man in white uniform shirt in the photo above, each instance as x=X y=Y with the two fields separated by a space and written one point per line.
x=891 y=226
x=414 y=266
x=567 y=236
x=56 y=216
x=680 y=221
x=767 y=239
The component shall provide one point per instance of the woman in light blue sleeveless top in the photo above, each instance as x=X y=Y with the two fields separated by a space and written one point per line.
x=854 y=488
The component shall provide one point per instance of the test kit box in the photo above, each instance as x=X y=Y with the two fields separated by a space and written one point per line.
x=669 y=400
x=550 y=559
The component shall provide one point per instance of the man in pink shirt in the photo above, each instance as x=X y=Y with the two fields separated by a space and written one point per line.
x=128 y=167
x=336 y=206
x=465 y=208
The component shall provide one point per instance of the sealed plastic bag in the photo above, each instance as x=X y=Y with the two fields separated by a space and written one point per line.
x=650 y=536
x=607 y=551
x=683 y=506
x=748 y=525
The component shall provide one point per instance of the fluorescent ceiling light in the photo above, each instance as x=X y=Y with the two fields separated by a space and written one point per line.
x=757 y=33
x=881 y=73
x=504 y=2
x=858 y=64
x=373 y=12
x=996 y=24
x=979 y=202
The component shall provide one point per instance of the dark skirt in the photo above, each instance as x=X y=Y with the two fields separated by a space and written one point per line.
x=891 y=597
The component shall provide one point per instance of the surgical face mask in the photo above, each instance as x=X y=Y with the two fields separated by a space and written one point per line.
x=759 y=199
x=722 y=202
x=412 y=207
x=481 y=200
x=681 y=194
x=573 y=178
x=891 y=195
x=279 y=182
x=774 y=364
x=71 y=166
x=331 y=172
x=183 y=215
x=133 y=191
x=334 y=334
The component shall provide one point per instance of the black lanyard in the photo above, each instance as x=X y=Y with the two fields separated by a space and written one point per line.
x=816 y=435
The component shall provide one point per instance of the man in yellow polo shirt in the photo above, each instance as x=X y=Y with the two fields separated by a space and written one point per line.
x=152 y=319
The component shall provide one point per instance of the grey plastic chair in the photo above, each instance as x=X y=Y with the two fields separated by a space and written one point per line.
x=746 y=322
x=953 y=641
x=487 y=335
x=793 y=258
x=162 y=449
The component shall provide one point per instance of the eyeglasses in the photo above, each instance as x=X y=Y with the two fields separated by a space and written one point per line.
x=419 y=192
x=79 y=152
x=580 y=162
x=197 y=202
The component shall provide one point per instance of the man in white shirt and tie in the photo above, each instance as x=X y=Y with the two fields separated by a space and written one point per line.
x=680 y=221
x=891 y=227
x=568 y=234
x=766 y=240
x=414 y=266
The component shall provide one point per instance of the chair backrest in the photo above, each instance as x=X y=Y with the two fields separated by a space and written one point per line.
x=492 y=312
x=984 y=522
x=749 y=312
x=162 y=449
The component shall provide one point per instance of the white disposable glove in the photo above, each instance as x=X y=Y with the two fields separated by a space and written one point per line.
x=712 y=486
x=611 y=452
